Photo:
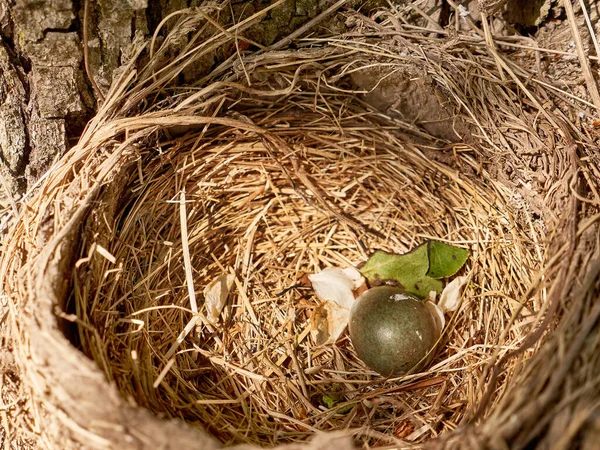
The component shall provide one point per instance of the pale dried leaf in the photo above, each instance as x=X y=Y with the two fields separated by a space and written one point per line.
x=215 y=295
x=319 y=325
x=437 y=314
x=358 y=281
x=337 y=320
x=337 y=285
x=328 y=322
x=337 y=288
x=450 y=298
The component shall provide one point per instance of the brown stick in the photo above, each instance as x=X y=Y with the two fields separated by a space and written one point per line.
x=583 y=59
x=86 y=53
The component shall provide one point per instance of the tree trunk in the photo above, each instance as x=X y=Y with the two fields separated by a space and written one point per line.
x=46 y=96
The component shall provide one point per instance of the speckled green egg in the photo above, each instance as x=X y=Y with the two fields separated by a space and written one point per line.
x=391 y=330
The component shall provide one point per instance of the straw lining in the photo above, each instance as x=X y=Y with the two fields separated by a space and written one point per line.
x=257 y=376
x=533 y=269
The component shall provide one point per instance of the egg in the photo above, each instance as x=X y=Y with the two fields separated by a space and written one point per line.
x=392 y=331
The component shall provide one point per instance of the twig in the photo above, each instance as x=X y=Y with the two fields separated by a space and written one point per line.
x=591 y=30
x=185 y=248
x=436 y=26
x=86 y=52
x=491 y=44
x=307 y=26
x=583 y=60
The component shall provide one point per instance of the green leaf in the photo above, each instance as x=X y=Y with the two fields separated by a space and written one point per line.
x=387 y=266
x=445 y=259
x=333 y=399
x=345 y=409
x=409 y=271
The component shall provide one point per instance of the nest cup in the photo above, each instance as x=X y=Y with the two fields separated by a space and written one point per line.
x=276 y=171
x=265 y=214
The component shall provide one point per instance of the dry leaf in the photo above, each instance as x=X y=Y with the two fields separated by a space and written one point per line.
x=328 y=322
x=337 y=285
x=437 y=314
x=337 y=319
x=358 y=281
x=319 y=325
x=405 y=427
x=450 y=297
x=337 y=288
x=215 y=295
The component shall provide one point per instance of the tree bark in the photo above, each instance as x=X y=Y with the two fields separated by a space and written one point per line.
x=42 y=92
x=46 y=96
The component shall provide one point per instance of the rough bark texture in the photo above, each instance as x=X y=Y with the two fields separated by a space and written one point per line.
x=41 y=89
x=46 y=97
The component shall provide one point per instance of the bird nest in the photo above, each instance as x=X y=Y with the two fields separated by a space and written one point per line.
x=270 y=167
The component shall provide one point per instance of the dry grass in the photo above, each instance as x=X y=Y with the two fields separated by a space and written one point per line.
x=284 y=170
x=257 y=377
